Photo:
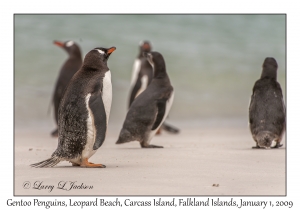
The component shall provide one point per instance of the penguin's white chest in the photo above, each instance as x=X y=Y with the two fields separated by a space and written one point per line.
x=90 y=133
x=107 y=94
x=135 y=72
x=144 y=81
x=91 y=130
x=168 y=107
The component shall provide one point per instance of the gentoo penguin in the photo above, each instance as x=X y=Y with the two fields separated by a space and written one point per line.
x=142 y=72
x=142 y=75
x=83 y=112
x=69 y=68
x=267 y=109
x=150 y=109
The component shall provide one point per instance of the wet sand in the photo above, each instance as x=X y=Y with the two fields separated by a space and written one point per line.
x=207 y=161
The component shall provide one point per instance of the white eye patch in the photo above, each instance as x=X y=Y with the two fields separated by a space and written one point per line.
x=100 y=51
x=69 y=43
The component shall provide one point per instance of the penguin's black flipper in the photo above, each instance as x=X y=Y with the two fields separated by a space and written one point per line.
x=135 y=91
x=97 y=107
x=161 y=106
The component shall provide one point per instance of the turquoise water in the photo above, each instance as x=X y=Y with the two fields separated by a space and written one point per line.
x=212 y=60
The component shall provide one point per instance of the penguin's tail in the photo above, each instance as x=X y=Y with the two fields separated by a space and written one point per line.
x=169 y=128
x=54 y=133
x=125 y=136
x=265 y=138
x=50 y=162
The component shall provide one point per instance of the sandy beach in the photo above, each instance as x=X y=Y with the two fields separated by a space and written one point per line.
x=198 y=161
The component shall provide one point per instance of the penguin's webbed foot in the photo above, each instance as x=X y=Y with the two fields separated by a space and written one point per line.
x=277 y=146
x=87 y=164
x=151 y=146
x=158 y=132
x=257 y=147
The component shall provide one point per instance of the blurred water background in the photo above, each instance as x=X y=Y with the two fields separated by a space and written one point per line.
x=212 y=61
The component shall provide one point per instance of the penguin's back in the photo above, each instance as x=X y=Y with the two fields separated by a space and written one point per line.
x=143 y=111
x=267 y=109
x=73 y=115
x=70 y=67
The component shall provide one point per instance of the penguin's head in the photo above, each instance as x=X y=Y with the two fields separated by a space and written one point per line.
x=97 y=58
x=154 y=57
x=145 y=46
x=70 y=46
x=269 y=68
x=156 y=60
x=270 y=63
x=105 y=52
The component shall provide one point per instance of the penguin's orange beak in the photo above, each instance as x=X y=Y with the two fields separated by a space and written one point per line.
x=60 y=44
x=110 y=50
